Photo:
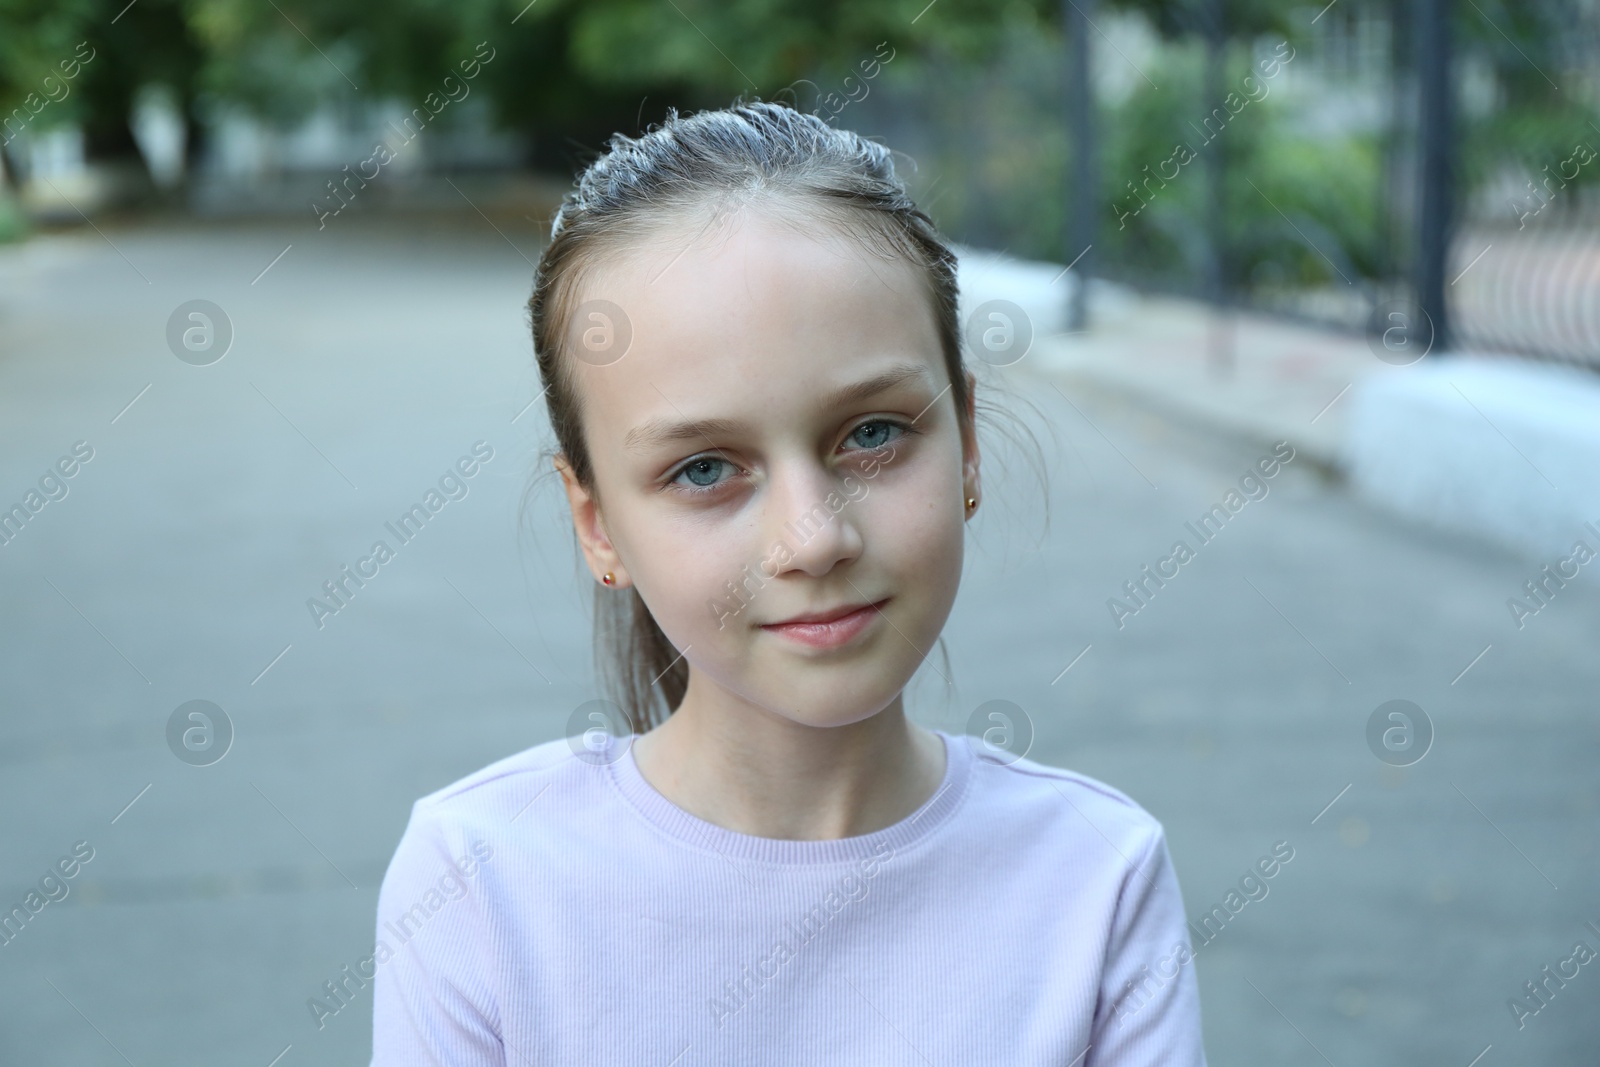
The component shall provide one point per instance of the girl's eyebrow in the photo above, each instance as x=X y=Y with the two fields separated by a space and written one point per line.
x=656 y=432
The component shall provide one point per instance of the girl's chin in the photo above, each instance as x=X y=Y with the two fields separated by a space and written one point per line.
x=822 y=714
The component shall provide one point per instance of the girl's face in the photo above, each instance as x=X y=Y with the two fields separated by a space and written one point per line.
x=779 y=439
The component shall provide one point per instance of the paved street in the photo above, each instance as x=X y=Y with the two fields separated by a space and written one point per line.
x=373 y=355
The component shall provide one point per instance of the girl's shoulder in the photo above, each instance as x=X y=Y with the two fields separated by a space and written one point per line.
x=1022 y=788
x=500 y=795
x=507 y=775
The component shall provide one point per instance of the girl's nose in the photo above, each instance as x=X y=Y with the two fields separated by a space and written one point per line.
x=808 y=510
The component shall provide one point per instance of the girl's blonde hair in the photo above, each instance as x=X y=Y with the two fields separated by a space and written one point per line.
x=704 y=164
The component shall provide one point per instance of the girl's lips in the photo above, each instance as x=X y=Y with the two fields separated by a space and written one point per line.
x=829 y=634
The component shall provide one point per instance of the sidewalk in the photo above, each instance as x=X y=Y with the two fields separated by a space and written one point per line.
x=1241 y=374
x=1500 y=448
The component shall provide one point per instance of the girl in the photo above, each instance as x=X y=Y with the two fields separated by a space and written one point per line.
x=748 y=337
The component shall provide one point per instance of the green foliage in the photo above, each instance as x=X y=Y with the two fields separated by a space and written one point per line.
x=276 y=80
x=1161 y=237
x=1179 y=19
x=995 y=174
x=13 y=223
x=756 y=46
x=36 y=36
x=1003 y=170
x=280 y=58
x=1292 y=203
x=1525 y=43
x=1533 y=138
x=1328 y=196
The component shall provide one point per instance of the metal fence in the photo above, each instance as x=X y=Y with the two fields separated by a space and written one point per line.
x=1308 y=191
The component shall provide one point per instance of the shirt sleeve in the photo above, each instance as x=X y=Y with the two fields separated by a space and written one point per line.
x=432 y=1002
x=1149 y=1008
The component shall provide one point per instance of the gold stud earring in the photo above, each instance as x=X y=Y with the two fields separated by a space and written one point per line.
x=972 y=502
x=609 y=579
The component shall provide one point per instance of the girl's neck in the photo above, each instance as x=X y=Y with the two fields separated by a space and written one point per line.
x=761 y=774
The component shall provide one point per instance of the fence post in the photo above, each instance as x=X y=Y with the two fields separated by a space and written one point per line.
x=1437 y=170
x=1084 y=189
x=1217 y=288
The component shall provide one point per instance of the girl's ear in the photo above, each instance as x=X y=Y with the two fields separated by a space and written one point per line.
x=598 y=550
x=971 y=481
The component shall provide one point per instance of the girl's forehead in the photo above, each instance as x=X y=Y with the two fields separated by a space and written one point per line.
x=753 y=278
x=761 y=317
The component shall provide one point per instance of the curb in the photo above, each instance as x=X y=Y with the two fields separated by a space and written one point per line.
x=1320 y=449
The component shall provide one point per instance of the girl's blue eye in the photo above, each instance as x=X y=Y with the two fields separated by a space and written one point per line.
x=705 y=467
x=697 y=467
x=881 y=424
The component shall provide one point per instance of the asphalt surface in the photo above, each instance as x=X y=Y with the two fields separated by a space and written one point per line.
x=372 y=356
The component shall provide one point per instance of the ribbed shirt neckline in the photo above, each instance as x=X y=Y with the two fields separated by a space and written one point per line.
x=695 y=831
